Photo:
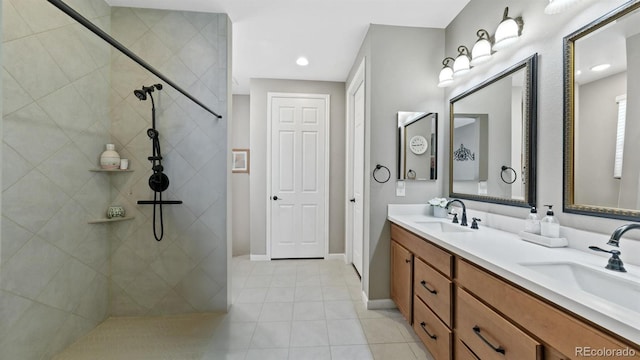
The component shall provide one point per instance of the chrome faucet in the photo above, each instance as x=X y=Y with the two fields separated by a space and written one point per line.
x=617 y=233
x=463 y=221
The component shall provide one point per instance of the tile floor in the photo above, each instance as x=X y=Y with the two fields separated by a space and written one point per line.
x=286 y=309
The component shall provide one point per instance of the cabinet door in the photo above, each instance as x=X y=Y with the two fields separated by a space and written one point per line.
x=401 y=279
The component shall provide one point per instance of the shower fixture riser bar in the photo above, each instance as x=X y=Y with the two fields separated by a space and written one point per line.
x=106 y=37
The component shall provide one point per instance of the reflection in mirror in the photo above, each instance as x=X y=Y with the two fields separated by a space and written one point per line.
x=493 y=136
x=417 y=145
x=601 y=63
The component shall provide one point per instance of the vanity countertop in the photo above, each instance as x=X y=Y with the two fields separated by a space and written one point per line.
x=503 y=253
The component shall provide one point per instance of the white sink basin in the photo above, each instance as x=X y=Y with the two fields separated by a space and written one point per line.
x=619 y=288
x=442 y=226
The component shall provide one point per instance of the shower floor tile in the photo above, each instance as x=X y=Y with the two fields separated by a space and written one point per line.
x=322 y=322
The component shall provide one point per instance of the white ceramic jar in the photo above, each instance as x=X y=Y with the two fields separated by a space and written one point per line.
x=110 y=159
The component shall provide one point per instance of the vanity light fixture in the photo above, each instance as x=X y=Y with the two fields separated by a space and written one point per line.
x=302 y=61
x=600 y=67
x=481 y=51
x=446 y=74
x=558 y=6
x=507 y=32
x=462 y=64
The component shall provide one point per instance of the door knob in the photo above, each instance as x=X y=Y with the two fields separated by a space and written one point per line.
x=353 y=200
x=276 y=198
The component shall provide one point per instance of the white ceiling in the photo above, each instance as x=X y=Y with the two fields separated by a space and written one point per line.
x=269 y=35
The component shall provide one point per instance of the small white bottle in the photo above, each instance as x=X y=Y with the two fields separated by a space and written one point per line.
x=532 y=222
x=549 y=226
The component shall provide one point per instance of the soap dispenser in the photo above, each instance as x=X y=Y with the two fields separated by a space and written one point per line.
x=532 y=222
x=549 y=226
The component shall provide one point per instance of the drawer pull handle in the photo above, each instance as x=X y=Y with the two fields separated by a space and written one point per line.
x=423 y=326
x=498 y=349
x=424 y=285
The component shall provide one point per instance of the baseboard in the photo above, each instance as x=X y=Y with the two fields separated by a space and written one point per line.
x=380 y=304
x=254 y=257
x=342 y=257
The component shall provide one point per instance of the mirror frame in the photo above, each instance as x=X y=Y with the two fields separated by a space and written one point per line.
x=568 y=201
x=530 y=65
x=400 y=157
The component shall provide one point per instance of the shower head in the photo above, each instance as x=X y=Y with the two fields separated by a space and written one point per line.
x=141 y=95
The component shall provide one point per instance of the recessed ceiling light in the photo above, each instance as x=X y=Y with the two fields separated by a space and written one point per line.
x=601 y=67
x=302 y=61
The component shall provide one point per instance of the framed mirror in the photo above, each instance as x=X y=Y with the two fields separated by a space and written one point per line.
x=417 y=145
x=493 y=138
x=600 y=110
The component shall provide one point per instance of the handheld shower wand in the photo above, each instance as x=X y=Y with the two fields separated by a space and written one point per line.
x=158 y=182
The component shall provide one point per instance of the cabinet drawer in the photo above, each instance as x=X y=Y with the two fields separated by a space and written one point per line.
x=551 y=325
x=462 y=352
x=438 y=258
x=434 y=289
x=433 y=333
x=489 y=335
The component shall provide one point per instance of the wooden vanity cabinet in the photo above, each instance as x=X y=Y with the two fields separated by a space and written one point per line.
x=474 y=313
x=401 y=279
x=430 y=289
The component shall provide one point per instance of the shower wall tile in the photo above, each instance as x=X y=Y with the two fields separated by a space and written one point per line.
x=177 y=269
x=14 y=237
x=149 y=46
x=40 y=18
x=66 y=107
x=13 y=95
x=31 y=335
x=64 y=291
x=126 y=27
x=197 y=200
x=13 y=26
x=19 y=166
x=12 y=307
x=29 y=271
x=149 y=17
x=67 y=168
x=94 y=304
x=32 y=67
x=33 y=200
x=32 y=133
x=197 y=148
x=199 y=55
x=175 y=30
x=66 y=48
x=172 y=265
x=54 y=131
x=198 y=289
x=66 y=228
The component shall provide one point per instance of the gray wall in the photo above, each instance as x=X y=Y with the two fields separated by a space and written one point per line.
x=596 y=139
x=542 y=34
x=187 y=270
x=54 y=283
x=402 y=66
x=240 y=181
x=258 y=136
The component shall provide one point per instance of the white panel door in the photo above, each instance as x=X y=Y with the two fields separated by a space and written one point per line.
x=298 y=163
x=358 y=178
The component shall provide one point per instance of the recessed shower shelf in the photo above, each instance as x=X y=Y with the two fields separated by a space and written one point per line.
x=116 y=219
x=111 y=170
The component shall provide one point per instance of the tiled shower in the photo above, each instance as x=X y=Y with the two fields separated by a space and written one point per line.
x=66 y=93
